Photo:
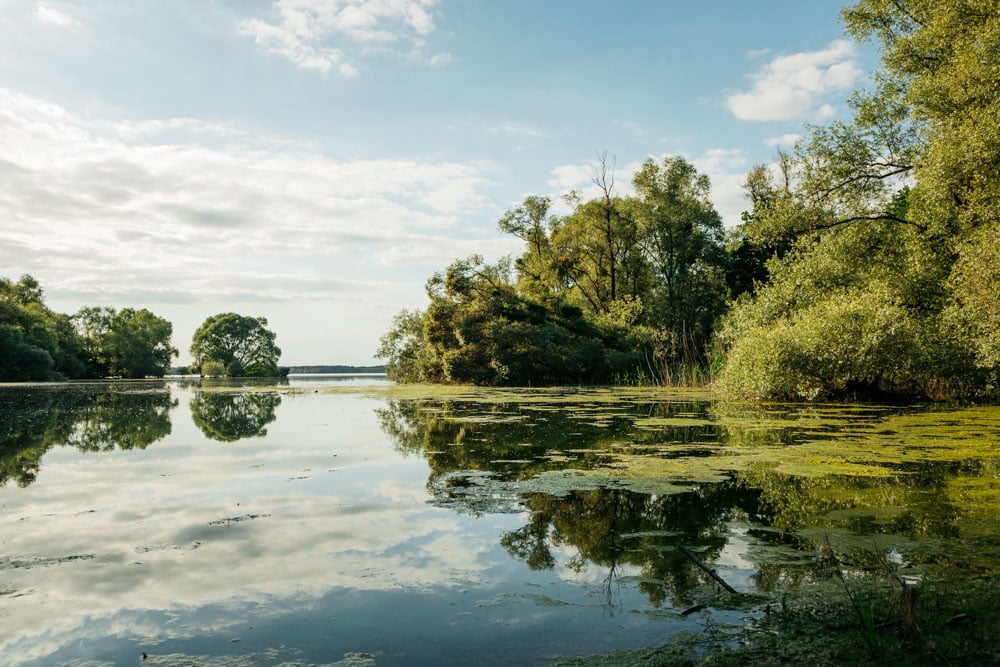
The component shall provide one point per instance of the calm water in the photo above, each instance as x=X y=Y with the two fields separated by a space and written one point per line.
x=324 y=520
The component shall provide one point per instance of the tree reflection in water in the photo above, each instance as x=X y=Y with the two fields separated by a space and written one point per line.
x=494 y=457
x=611 y=528
x=607 y=527
x=231 y=416
x=92 y=418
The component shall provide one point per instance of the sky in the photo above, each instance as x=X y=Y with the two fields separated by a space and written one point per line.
x=313 y=162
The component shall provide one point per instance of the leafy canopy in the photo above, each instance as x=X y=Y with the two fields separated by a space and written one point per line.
x=883 y=230
x=243 y=345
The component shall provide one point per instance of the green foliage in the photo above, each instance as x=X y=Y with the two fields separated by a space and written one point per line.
x=596 y=255
x=621 y=289
x=976 y=285
x=213 y=369
x=128 y=343
x=681 y=236
x=31 y=332
x=825 y=326
x=401 y=346
x=96 y=342
x=243 y=345
x=477 y=330
x=45 y=346
x=20 y=360
x=883 y=279
x=228 y=417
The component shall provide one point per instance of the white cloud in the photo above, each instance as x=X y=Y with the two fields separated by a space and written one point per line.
x=439 y=59
x=177 y=212
x=720 y=160
x=727 y=169
x=510 y=127
x=329 y=35
x=797 y=85
x=571 y=176
x=783 y=140
x=54 y=16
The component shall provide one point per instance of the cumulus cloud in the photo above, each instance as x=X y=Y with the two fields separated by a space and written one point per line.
x=783 y=140
x=109 y=208
x=326 y=35
x=727 y=169
x=797 y=85
x=55 y=17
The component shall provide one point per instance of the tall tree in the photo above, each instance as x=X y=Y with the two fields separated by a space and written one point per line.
x=681 y=235
x=596 y=248
x=243 y=344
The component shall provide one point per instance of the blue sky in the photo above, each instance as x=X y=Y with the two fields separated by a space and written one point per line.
x=314 y=161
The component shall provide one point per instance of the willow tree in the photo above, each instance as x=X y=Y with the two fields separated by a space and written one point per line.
x=892 y=220
x=244 y=345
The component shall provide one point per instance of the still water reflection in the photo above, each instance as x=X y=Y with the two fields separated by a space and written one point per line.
x=313 y=523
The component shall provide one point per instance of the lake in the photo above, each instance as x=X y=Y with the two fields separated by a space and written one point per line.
x=334 y=520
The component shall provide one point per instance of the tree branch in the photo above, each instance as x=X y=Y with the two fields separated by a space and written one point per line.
x=898 y=169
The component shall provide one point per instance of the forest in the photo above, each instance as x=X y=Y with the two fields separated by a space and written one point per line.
x=867 y=265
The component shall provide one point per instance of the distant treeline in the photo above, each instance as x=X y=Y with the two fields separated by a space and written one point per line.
x=336 y=369
x=301 y=370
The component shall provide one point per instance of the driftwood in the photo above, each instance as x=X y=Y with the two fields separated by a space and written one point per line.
x=710 y=571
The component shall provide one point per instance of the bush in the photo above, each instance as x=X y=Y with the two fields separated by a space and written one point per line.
x=213 y=369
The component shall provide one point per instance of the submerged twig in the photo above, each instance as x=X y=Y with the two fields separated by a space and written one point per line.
x=706 y=568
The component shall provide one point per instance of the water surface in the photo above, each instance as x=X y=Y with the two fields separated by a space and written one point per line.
x=327 y=519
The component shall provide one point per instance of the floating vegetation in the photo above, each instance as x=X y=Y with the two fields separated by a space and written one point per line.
x=237 y=519
x=18 y=563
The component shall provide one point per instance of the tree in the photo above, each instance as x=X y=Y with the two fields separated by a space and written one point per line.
x=596 y=249
x=620 y=287
x=46 y=346
x=681 y=235
x=128 y=343
x=891 y=221
x=479 y=330
x=242 y=344
x=401 y=347
x=21 y=361
x=531 y=223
